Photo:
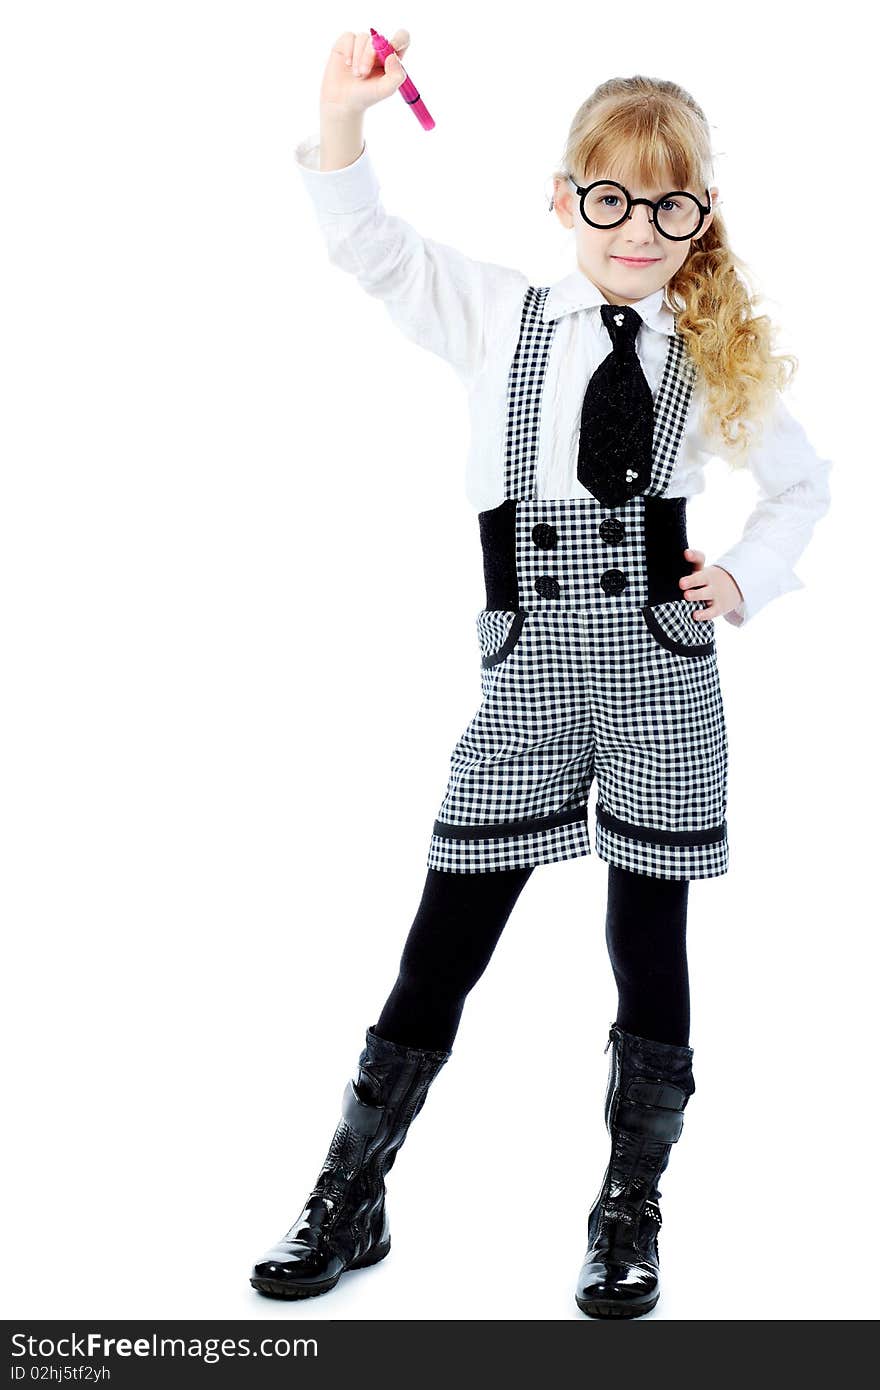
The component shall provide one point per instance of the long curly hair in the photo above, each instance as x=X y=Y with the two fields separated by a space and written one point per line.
x=654 y=127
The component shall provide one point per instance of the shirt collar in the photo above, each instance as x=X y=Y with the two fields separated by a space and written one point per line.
x=577 y=291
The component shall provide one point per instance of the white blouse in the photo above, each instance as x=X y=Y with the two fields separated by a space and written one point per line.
x=468 y=312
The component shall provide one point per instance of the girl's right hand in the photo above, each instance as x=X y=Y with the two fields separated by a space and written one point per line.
x=343 y=91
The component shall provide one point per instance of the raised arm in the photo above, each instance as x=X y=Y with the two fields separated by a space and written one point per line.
x=438 y=297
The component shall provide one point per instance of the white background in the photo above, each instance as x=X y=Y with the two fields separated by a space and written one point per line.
x=239 y=583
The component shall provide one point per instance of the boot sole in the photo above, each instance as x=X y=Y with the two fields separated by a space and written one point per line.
x=603 y=1308
x=282 y=1288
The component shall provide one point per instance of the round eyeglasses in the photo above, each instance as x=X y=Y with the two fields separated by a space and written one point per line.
x=678 y=215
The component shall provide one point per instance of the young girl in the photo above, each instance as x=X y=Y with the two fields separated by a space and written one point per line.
x=596 y=403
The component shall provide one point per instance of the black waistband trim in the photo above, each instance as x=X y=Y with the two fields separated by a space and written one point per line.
x=498 y=540
x=665 y=544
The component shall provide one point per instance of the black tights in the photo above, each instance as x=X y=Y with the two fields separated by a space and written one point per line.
x=462 y=915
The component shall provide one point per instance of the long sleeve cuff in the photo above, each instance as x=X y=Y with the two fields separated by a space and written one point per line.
x=350 y=189
x=761 y=574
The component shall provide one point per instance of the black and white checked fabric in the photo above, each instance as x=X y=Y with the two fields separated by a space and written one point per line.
x=585 y=681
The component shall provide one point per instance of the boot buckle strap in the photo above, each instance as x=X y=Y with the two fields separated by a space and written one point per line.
x=657 y=1093
x=653 y=1121
x=362 y=1118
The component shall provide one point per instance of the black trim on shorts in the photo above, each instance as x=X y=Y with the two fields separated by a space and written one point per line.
x=499 y=829
x=672 y=643
x=509 y=642
x=660 y=837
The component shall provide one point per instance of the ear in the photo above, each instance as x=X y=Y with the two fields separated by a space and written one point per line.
x=714 y=200
x=563 y=199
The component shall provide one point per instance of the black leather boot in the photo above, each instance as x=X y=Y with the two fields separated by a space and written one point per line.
x=343 y=1225
x=649 y=1085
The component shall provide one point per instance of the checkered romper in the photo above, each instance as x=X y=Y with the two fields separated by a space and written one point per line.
x=591 y=666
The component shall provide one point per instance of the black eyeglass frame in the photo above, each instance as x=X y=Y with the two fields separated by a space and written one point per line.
x=632 y=202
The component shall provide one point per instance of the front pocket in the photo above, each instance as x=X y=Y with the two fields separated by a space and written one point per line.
x=498 y=631
x=672 y=624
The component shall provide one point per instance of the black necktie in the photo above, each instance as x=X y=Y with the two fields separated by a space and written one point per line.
x=616 y=442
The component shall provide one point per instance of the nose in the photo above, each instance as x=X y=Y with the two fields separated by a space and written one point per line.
x=639 y=227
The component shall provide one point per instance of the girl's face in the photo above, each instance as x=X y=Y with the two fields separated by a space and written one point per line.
x=632 y=260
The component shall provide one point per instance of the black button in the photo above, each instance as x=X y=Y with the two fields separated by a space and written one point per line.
x=547 y=586
x=613 y=581
x=545 y=536
x=612 y=530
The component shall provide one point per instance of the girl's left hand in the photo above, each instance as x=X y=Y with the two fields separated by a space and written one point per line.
x=713 y=585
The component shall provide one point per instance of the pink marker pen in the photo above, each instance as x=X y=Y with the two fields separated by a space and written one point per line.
x=407 y=87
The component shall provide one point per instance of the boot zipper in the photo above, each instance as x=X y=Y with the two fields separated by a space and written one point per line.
x=613 y=1080
x=410 y=1099
x=360 y=1228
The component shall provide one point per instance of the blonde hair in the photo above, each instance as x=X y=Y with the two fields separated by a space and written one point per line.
x=653 y=127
